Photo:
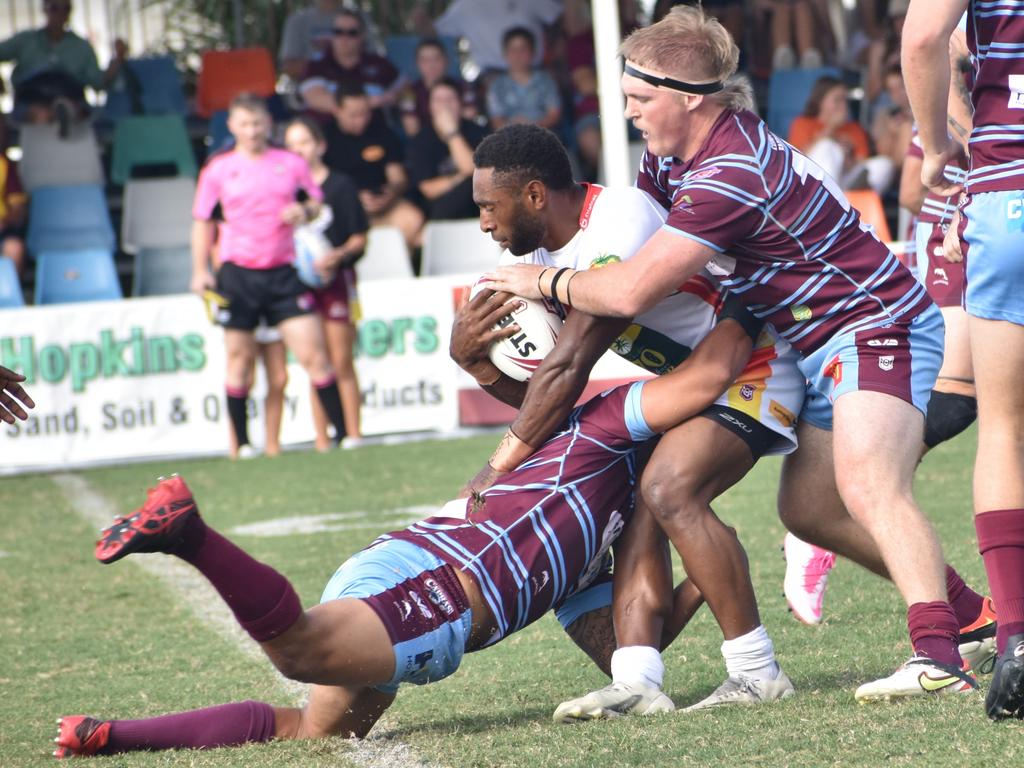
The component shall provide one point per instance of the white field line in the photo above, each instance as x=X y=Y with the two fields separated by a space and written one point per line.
x=192 y=590
x=334 y=521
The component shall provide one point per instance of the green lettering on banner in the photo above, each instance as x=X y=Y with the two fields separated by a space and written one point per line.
x=22 y=360
x=163 y=355
x=112 y=355
x=398 y=329
x=191 y=356
x=374 y=337
x=426 y=340
x=138 y=352
x=53 y=363
x=85 y=365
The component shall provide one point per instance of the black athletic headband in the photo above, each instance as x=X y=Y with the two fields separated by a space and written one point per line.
x=673 y=84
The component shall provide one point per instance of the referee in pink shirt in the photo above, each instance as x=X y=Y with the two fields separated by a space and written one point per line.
x=263 y=193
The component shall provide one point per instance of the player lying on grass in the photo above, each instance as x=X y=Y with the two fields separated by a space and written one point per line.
x=406 y=608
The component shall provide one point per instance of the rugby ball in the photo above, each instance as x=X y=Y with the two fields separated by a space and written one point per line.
x=310 y=245
x=518 y=356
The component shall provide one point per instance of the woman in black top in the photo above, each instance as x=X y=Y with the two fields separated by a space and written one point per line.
x=336 y=302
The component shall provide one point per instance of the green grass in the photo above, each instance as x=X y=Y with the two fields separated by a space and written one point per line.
x=76 y=637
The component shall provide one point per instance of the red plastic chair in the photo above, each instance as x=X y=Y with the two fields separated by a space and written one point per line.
x=225 y=74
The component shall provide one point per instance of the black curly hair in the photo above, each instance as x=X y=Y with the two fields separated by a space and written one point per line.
x=520 y=153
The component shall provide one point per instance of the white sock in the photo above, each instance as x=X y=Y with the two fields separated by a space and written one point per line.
x=752 y=654
x=638 y=664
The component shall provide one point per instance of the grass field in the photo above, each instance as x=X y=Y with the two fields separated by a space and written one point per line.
x=120 y=641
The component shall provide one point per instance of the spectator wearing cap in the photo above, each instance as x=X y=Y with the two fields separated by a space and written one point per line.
x=348 y=61
x=441 y=155
x=523 y=94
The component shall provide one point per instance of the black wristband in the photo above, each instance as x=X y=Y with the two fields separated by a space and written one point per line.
x=554 y=283
x=568 y=285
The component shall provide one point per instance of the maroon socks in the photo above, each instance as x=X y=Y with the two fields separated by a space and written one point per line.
x=262 y=600
x=967 y=604
x=934 y=632
x=225 y=726
x=1001 y=543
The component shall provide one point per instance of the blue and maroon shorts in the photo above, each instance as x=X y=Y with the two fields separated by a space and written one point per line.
x=420 y=601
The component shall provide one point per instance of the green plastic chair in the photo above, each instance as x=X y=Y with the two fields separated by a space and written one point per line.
x=151 y=145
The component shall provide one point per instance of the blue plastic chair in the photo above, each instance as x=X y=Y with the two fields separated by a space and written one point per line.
x=76 y=275
x=159 y=86
x=10 y=287
x=787 y=95
x=401 y=51
x=69 y=218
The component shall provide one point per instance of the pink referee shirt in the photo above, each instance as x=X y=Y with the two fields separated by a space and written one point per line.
x=252 y=192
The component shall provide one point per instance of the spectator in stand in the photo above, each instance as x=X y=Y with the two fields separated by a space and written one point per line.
x=883 y=57
x=484 y=22
x=827 y=134
x=441 y=156
x=307 y=36
x=795 y=33
x=262 y=193
x=893 y=127
x=523 y=94
x=432 y=64
x=360 y=145
x=53 y=66
x=13 y=207
x=348 y=62
x=336 y=303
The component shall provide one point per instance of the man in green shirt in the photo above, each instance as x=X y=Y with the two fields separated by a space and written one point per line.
x=53 y=65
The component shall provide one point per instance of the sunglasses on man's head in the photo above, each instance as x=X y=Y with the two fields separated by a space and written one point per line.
x=346 y=31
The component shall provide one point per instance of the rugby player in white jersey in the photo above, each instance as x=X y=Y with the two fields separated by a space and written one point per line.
x=530 y=204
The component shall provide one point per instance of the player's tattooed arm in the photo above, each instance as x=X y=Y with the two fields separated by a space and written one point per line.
x=594 y=633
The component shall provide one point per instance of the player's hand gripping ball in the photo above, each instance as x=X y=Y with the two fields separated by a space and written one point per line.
x=539 y=324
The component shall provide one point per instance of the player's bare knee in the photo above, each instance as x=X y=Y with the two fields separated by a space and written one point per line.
x=670 y=496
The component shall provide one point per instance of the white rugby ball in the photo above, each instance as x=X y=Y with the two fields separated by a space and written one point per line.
x=310 y=245
x=518 y=356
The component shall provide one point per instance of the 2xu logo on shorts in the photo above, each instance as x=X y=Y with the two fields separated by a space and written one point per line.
x=733 y=420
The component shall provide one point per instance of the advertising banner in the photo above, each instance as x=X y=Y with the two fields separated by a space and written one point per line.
x=145 y=377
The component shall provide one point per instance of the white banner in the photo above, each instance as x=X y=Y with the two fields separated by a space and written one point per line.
x=145 y=377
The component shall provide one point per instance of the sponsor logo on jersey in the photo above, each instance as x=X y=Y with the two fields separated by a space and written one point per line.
x=883 y=343
x=437 y=596
x=404 y=609
x=543 y=582
x=1019 y=650
x=747 y=392
x=834 y=370
x=683 y=203
x=373 y=153
x=941 y=278
x=424 y=610
x=784 y=416
x=604 y=260
x=801 y=312
x=704 y=173
x=886 y=362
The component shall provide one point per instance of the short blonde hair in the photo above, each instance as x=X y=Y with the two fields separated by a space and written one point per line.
x=686 y=44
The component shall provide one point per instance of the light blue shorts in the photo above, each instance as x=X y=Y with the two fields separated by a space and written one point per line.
x=419 y=600
x=898 y=359
x=994 y=235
